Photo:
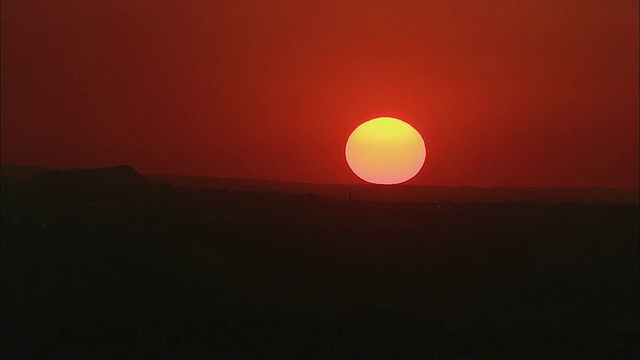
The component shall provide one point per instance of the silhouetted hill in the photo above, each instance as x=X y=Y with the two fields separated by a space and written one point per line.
x=122 y=175
x=111 y=178
x=106 y=185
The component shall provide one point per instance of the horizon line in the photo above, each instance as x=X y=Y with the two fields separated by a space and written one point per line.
x=332 y=184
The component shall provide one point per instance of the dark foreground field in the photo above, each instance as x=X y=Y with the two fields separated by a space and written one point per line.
x=101 y=269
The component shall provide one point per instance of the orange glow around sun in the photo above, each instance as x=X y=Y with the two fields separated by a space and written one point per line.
x=385 y=151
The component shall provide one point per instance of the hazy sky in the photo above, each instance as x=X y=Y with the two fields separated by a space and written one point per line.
x=519 y=93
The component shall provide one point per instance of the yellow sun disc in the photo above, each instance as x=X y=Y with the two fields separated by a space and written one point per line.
x=385 y=151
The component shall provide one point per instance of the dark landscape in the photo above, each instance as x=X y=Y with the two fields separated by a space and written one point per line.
x=107 y=264
x=288 y=179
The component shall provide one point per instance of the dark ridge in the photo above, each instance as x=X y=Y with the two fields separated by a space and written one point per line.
x=122 y=174
x=99 y=180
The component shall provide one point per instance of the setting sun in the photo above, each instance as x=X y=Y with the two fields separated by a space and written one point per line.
x=385 y=151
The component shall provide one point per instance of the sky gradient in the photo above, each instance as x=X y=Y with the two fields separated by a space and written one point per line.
x=504 y=93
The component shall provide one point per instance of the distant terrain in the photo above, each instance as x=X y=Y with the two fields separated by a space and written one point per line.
x=411 y=193
x=108 y=263
x=398 y=193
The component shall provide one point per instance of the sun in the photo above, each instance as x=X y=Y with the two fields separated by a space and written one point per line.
x=385 y=151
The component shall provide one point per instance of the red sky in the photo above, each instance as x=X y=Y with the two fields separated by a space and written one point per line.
x=505 y=93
